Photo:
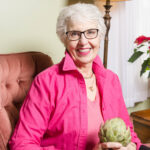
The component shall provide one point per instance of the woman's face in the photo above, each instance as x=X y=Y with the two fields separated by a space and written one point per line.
x=83 y=50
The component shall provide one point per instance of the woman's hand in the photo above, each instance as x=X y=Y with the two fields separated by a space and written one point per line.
x=131 y=146
x=114 y=146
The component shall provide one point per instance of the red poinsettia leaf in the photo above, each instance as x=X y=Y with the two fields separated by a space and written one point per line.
x=141 y=39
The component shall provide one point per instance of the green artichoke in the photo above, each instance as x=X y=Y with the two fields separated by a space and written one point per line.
x=115 y=130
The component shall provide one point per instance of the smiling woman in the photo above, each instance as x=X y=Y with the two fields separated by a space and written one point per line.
x=67 y=102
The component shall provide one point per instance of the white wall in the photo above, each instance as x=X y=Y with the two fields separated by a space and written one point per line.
x=30 y=25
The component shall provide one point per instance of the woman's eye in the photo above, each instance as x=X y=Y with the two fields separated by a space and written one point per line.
x=74 y=34
x=90 y=32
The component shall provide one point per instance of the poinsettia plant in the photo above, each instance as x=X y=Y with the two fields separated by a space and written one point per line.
x=142 y=46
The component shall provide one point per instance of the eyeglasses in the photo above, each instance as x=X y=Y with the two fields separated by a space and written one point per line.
x=76 y=35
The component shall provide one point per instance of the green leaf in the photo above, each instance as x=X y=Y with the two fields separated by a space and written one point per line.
x=140 y=46
x=135 y=56
x=135 y=50
x=145 y=66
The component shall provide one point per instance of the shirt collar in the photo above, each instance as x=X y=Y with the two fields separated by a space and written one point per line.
x=69 y=64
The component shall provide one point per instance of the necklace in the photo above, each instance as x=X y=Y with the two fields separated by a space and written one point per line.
x=89 y=76
x=92 y=83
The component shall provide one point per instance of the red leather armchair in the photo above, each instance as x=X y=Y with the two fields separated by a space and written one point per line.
x=16 y=74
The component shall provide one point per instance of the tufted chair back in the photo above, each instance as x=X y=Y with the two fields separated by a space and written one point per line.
x=16 y=74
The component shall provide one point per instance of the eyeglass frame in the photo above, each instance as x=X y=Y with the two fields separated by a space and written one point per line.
x=83 y=32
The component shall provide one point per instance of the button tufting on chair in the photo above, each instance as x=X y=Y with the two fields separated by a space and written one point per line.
x=7 y=85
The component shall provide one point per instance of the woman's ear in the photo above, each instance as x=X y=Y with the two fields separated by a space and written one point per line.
x=65 y=42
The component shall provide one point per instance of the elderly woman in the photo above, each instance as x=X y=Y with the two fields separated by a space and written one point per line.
x=68 y=101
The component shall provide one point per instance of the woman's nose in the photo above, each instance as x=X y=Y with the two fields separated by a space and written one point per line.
x=83 y=40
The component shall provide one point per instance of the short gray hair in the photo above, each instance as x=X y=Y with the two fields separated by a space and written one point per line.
x=79 y=12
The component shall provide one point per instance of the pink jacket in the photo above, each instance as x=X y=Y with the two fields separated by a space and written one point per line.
x=54 y=114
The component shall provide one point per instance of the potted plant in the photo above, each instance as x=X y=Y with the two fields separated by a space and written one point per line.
x=142 y=46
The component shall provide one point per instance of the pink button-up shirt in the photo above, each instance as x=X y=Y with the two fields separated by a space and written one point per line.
x=54 y=113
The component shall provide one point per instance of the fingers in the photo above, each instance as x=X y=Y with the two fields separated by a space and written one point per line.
x=116 y=146
x=111 y=145
x=131 y=146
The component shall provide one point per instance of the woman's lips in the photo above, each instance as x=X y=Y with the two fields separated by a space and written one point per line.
x=84 y=51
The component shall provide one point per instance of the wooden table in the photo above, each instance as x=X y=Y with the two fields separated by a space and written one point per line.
x=141 y=121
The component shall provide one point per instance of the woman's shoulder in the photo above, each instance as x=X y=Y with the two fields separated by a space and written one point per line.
x=53 y=70
x=111 y=74
x=112 y=78
x=50 y=72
